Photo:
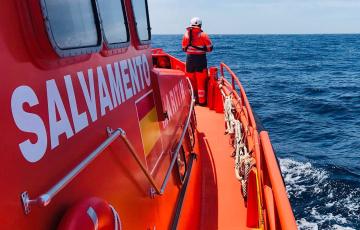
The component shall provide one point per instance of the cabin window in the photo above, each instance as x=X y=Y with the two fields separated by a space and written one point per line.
x=113 y=21
x=71 y=24
x=140 y=8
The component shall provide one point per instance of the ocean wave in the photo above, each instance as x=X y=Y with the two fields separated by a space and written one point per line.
x=320 y=202
x=315 y=90
x=325 y=106
x=299 y=177
x=305 y=225
x=245 y=72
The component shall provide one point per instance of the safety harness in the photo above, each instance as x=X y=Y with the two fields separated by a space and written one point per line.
x=190 y=43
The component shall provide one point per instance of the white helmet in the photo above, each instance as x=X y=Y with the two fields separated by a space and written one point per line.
x=195 y=21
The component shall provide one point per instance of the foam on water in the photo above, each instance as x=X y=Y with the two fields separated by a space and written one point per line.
x=299 y=177
x=307 y=185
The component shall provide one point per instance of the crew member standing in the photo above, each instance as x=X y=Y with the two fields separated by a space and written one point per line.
x=196 y=44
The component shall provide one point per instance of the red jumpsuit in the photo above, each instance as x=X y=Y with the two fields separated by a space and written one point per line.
x=196 y=44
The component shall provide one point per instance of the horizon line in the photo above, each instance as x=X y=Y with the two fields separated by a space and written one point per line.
x=355 y=33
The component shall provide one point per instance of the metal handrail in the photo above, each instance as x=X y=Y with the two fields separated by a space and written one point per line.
x=234 y=79
x=45 y=198
x=176 y=152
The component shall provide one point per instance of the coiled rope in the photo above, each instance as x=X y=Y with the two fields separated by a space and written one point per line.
x=243 y=159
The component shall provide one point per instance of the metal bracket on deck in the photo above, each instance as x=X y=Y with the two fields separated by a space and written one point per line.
x=25 y=202
x=152 y=193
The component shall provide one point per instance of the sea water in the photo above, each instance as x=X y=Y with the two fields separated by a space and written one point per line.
x=306 y=91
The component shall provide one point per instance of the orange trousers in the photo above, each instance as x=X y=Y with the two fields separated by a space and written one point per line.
x=198 y=80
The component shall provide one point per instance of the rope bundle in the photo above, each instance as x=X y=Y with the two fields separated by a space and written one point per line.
x=243 y=159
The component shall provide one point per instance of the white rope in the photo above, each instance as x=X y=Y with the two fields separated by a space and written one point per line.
x=243 y=160
x=229 y=116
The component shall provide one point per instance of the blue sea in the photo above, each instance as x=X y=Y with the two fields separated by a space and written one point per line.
x=306 y=91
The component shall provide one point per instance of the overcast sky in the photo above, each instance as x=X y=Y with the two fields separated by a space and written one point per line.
x=257 y=16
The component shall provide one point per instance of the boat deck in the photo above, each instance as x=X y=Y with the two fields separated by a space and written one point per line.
x=223 y=206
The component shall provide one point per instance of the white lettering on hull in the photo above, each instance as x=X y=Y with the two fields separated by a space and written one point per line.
x=116 y=88
x=56 y=109
x=146 y=70
x=29 y=122
x=89 y=94
x=80 y=120
x=173 y=101
x=125 y=79
x=104 y=95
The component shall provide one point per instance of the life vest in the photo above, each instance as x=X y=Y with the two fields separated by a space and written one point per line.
x=195 y=41
x=91 y=213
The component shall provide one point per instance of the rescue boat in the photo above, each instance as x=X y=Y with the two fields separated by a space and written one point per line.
x=101 y=131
